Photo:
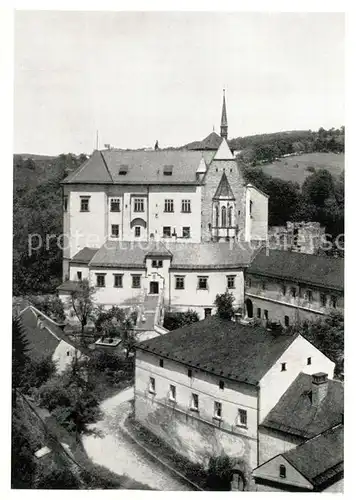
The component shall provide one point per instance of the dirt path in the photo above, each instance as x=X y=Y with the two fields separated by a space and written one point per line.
x=114 y=451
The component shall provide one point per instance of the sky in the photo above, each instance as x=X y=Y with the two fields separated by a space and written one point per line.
x=138 y=77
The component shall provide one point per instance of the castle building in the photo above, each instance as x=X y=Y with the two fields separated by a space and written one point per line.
x=140 y=223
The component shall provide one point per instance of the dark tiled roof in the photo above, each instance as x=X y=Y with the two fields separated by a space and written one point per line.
x=211 y=142
x=212 y=255
x=184 y=255
x=128 y=254
x=84 y=256
x=231 y=350
x=315 y=270
x=43 y=336
x=295 y=414
x=68 y=286
x=224 y=189
x=143 y=167
x=321 y=458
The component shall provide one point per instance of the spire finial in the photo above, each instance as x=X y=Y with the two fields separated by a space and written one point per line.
x=223 y=126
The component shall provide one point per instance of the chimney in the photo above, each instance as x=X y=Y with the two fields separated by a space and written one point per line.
x=319 y=387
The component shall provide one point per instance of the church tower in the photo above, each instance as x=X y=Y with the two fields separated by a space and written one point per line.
x=223 y=126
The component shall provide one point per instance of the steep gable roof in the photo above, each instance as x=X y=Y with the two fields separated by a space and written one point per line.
x=93 y=171
x=224 y=189
x=315 y=270
x=211 y=143
x=224 y=152
x=321 y=458
x=320 y=461
x=140 y=167
x=295 y=414
x=224 y=348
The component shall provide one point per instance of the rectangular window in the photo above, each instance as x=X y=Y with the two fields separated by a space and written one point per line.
x=168 y=206
x=217 y=410
x=231 y=281
x=323 y=299
x=136 y=281
x=118 y=280
x=293 y=291
x=65 y=203
x=284 y=289
x=100 y=280
x=115 y=205
x=123 y=169
x=242 y=417
x=202 y=282
x=265 y=314
x=157 y=263
x=172 y=392
x=179 y=282
x=161 y=363
x=84 y=204
x=248 y=283
x=152 y=386
x=186 y=232
x=282 y=471
x=195 y=402
x=221 y=385
x=139 y=205
x=251 y=207
x=79 y=275
x=263 y=286
x=283 y=367
x=166 y=231
x=114 y=230
x=207 y=312
x=259 y=312
x=137 y=231
x=309 y=295
x=190 y=373
x=186 y=206
x=286 y=321
x=334 y=302
x=309 y=361
x=168 y=170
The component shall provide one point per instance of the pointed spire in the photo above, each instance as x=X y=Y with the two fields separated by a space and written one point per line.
x=223 y=126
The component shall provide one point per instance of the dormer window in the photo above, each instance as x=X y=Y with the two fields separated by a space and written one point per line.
x=123 y=169
x=168 y=170
x=282 y=471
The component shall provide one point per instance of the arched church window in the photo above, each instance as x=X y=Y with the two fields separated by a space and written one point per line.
x=223 y=216
x=229 y=216
x=216 y=216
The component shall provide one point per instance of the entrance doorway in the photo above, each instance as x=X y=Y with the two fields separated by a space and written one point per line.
x=154 y=287
x=249 y=308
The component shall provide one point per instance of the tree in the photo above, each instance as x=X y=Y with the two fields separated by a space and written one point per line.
x=118 y=323
x=224 y=303
x=220 y=473
x=71 y=399
x=37 y=372
x=56 y=477
x=318 y=187
x=20 y=348
x=23 y=465
x=52 y=306
x=81 y=301
x=174 y=320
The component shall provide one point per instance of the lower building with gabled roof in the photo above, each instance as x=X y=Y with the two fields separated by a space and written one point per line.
x=206 y=388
